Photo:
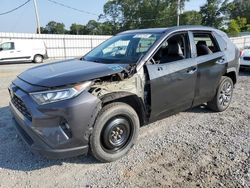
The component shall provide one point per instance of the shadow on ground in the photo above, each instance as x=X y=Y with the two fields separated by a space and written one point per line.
x=244 y=72
x=200 y=109
x=16 y=63
x=16 y=155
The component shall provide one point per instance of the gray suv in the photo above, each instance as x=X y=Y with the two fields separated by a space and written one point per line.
x=98 y=103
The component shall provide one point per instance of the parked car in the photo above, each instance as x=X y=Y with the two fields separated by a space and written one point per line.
x=97 y=103
x=245 y=57
x=23 y=51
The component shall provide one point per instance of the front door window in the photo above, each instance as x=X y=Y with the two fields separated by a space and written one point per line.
x=7 y=46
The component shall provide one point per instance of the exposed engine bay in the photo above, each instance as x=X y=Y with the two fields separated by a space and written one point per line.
x=126 y=81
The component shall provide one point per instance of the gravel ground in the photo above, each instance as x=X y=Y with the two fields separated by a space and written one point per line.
x=196 y=148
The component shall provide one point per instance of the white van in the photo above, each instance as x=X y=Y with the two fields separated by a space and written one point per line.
x=23 y=51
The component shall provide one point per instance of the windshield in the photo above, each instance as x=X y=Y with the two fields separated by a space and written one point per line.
x=126 y=48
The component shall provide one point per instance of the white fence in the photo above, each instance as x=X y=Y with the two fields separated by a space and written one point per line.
x=241 y=42
x=68 y=46
x=60 y=46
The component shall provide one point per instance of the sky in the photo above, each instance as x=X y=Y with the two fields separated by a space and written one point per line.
x=23 y=20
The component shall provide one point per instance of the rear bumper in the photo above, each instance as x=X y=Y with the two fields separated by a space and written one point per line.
x=244 y=63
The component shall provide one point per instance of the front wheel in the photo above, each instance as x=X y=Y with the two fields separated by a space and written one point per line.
x=223 y=97
x=115 y=132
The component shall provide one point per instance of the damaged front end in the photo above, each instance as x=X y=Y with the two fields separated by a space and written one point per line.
x=127 y=86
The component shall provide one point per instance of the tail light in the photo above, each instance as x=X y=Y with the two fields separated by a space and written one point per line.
x=241 y=53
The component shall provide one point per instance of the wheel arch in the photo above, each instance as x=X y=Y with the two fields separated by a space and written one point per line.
x=232 y=75
x=36 y=55
x=130 y=99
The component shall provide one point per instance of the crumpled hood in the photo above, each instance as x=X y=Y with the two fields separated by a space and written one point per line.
x=68 y=72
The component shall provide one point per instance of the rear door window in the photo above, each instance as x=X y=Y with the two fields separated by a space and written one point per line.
x=205 y=44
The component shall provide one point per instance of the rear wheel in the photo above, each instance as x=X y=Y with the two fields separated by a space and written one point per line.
x=223 y=97
x=115 y=132
x=38 y=59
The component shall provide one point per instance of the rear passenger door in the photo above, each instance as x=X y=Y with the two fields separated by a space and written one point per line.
x=211 y=63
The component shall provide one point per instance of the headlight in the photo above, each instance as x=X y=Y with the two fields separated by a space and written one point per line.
x=45 y=97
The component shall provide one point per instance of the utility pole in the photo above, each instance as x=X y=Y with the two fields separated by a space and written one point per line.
x=37 y=17
x=178 y=12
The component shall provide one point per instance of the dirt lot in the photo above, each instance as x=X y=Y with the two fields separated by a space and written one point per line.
x=196 y=148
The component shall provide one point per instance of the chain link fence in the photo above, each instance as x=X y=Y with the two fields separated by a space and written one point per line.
x=241 y=42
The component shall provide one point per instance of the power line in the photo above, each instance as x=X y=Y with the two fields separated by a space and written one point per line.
x=72 y=8
x=12 y=10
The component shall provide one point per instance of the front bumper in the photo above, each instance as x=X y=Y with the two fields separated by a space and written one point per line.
x=43 y=131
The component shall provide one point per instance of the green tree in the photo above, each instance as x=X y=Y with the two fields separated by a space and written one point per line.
x=239 y=8
x=130 y=14
x=212 y=14
x=190 y=18
x=237 y=12
x=43 y=30
x=233 y=28
x=237 y=25
x=242 y=22
x=93 y=27
x=78 y=29
x=55 y=28
x=108 y=28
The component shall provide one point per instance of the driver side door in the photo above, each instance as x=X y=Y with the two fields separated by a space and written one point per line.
x=172 y=83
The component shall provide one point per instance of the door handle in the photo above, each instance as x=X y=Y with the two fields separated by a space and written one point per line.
x=221 y=61
x=192 y=70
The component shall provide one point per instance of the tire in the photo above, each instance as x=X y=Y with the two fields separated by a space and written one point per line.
x=115 y=132
x=38 y=59
x=223 y=97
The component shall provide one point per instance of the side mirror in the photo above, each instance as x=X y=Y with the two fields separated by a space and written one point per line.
x=1 y=49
